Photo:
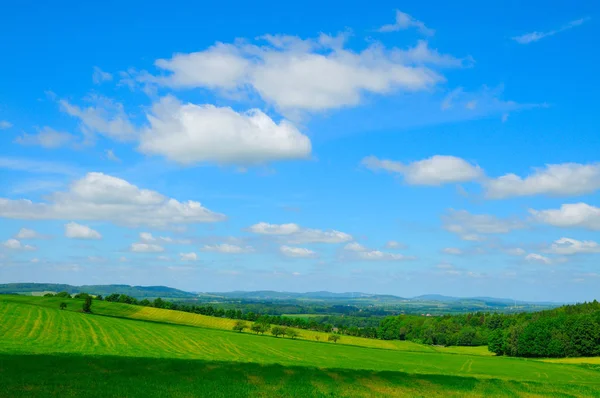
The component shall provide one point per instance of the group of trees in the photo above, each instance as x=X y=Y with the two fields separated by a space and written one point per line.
x=567 y=331
x=262 y=328
x=87 y=300
x=463 y=330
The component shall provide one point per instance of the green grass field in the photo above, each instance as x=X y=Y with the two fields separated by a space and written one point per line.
x=123 y=350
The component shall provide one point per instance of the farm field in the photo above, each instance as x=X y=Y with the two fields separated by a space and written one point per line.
x=186 y=318
x=45 y=351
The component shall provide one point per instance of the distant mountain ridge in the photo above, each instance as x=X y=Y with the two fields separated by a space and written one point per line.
x=134 y=291
x=169 y=292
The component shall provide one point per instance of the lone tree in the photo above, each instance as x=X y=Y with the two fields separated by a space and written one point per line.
x=334 y=338
x=87 y=305
x=63 y=305
x=63 y=295
x=291 y=333
x=278 y=331
x=240 y=326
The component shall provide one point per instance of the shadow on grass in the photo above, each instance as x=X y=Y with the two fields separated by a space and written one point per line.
x=110 y=376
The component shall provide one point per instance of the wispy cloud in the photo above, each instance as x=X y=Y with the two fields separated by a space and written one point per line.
x=405 y=21
x=536 y=36
x=36 y=166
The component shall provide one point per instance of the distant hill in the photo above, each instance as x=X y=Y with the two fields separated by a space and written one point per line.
x=138 y=292
x=141 y=292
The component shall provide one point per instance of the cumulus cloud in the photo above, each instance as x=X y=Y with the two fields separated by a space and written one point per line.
x=565 y=179
x=304 y=75
x=98 y=196
x=574 y=215
x=25 y=233
x=146 y=248
x=404 y=22
x=537 y=258
x=296 y=234
x=78 y=231
x=536 y=36
x=47 y=138
x=189 y=133
x=14 y=244
x=188 y=256
x=298 y=252
x=227 y=248
x=436 y=170
x=567 y=246
x=471 y=226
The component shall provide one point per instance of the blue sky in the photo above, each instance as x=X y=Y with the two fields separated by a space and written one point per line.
x=402 y=148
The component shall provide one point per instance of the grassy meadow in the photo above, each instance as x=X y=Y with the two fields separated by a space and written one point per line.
x=123 y=350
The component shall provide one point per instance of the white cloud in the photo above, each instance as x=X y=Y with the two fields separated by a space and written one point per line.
x=452 y=250
x=25 y=233
x=14 y=244
x=221 y=66
x=555 y=179
x=299 y=252
x=535 y=36
x=146 y=248
x=148 y=237
x=470 y=226
x=99 y=76
x=568 y=246
x=227 y=248
x=405 y=21
x=358 y=251
x=376 y=255
x=355 y=247
x=264 y=228
x=304 y=75
x=110 y=155
x=46 y=138
x=575 y=215
x=98 y=196
x=78 y=231
x=5 y=124
x=188 y=256
x=296 y=234
x=104 y=117
x=537 y=258
x=394 y=245
x=436 y=170
x=189 y=133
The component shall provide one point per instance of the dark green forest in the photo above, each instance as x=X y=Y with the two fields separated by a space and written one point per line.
x=567 y=331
